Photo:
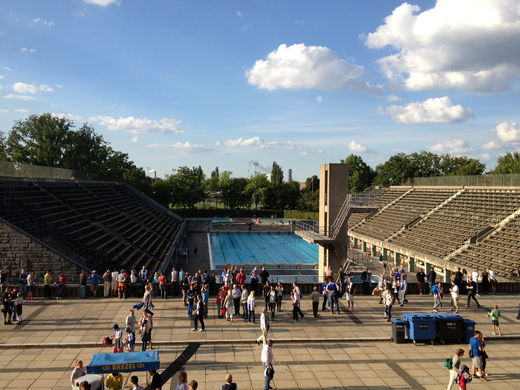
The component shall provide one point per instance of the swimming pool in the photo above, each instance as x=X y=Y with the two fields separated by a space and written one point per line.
x=270 y=249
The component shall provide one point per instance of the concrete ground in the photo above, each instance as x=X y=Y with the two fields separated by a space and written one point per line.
x=349 y=350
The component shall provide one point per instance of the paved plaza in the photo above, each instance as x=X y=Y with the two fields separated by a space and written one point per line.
x=349 y=350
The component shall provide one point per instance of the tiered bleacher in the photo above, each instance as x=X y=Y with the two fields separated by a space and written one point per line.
x=409 y=205
x=97 y=224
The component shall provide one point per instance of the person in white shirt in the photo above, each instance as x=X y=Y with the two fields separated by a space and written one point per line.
x=183 y=381
x=131 y=321
x=78 y=372
x=454 y=290
x=493 y=280
x=115 y=274
x=264 y=327
x=267 y=362
x=474 y=276
x=388 y=301
x=175 y=275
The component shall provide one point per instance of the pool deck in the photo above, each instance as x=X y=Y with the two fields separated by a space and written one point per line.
x=349 y=350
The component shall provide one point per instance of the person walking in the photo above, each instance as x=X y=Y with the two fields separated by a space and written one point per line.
x=420 y=276
x=228 y=304
x=437 y=296
x=47 y=280
x=494 y=314
x=62 y=282
x=476 y=349
x=267 y=363
x=455 y=366
x=388 y=301
x=349 y=293
x=315 y=298
x=162 y=285
x=145 y=330
x=198 y=315
x=471 y=287
x=454 y=290
x=264 y=327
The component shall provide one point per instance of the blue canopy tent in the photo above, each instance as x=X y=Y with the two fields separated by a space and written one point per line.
x=105 y=363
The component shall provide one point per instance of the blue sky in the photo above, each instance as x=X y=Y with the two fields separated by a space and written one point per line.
x=298 y=82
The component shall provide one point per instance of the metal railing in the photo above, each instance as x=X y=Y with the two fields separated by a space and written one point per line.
x=508 y=180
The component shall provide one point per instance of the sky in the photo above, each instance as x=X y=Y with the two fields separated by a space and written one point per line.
x=302 y=83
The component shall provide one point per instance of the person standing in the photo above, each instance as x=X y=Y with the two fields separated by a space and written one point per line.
x=403 y=289
x=31 y=283
x=476 y=348
x=229 y=385
x=198 y=315
x=183 y=381
x=279 y=296
x=454 y=290
x=342 y=282
x=324 y=293
x=237 y=296
x=264 y=327
x=162 y=285
x=134 y=381
x=243 y=300
x=264 y=276
x=78 y=372
x=7 y=305
x=494 y=314
x=472 y=288
x=114 y=381
x=94 y=283
x=332 y=297
x=241 y=277
x=175 y=276
x=62 y=283
x=3 y=281
x=114 y=275
x=254 y=280
x=251 y=306
x=121 y=285
x=315 y=298
x=420 y=280
x=272 y=301
x=455 y=365
x=156 y=382
x=18 y=307
x=107 y=280
x=493 y=280
x=475 y=276
x=22 y=281
x=228 y=304
x=47 y=279
x=83 y=284
x=432 y=276
x=349 y=293
x=366 y=280
x=267 y=363
x=205 y=300
x=118 y=339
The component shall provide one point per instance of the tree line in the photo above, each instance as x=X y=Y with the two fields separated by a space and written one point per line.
x=57 y=142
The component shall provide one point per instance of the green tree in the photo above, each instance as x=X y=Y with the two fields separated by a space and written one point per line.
x=508 y=163
x=40 y=140
x=310 y=195
x=3 y=148
x=360 y=175
x=461 y=165
x=395 y=171
x=187 y=186
x=161 y=191
x=234 y=194
x=136 y=177
x=276 y=174
x=256 y=187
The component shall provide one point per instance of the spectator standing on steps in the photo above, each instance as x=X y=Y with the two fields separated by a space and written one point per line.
x=264 y=276
x=243 y=300
x=47 y=279
x=237 y=296
x=432 y=276
x=315 y=298
x=107 y=280
x=62 y=282
x=94 y=283
x=420 y=280
x=83 y=284
x=22 y=281
x=454 y=290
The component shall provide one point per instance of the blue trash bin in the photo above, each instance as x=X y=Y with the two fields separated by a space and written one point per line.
x=469 y=329
x=422 y=327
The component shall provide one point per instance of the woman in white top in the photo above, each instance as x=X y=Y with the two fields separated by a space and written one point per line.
x=78 y=372
x=455 y=365
x=251 y=306
x=183 y=381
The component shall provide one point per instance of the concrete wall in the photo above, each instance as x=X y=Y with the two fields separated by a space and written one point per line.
x=333 y=192
x=18 y=251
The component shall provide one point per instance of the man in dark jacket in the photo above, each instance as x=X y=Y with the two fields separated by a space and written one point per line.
x=432 y=275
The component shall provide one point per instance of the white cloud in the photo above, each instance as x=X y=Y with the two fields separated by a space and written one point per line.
x=319 y=99
x=72 y=117
x=3 y=110
x=27 y=50
x=355 y=146
x=467 y=44
x=134 y=139
x=6 y=68
x=508 y=131
x=45 y=88
x=259 y=143
x=19 y=97
x=393 y=98
x=45 y=22
x=304 y=67
x=2 y=76
x=182 y=147
x=455 y=146
x=491 y=145
x=239 y=14
x=22 y=110
x=485 y=156
x=134 y=125
x=102 y=3
x=24 y=88
x=433 y=110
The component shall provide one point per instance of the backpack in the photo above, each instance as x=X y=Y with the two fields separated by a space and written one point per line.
x=448 y=363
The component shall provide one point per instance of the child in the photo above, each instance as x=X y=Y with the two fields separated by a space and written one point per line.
x=130 y=339
x=118 y=339
x=464 y=377
x=18 y=303
x=494 y=314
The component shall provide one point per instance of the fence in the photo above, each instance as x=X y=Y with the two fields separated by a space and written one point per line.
x=9 y=169
x=509 y=180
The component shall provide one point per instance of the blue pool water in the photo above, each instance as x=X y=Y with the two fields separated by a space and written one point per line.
x=262 y=248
